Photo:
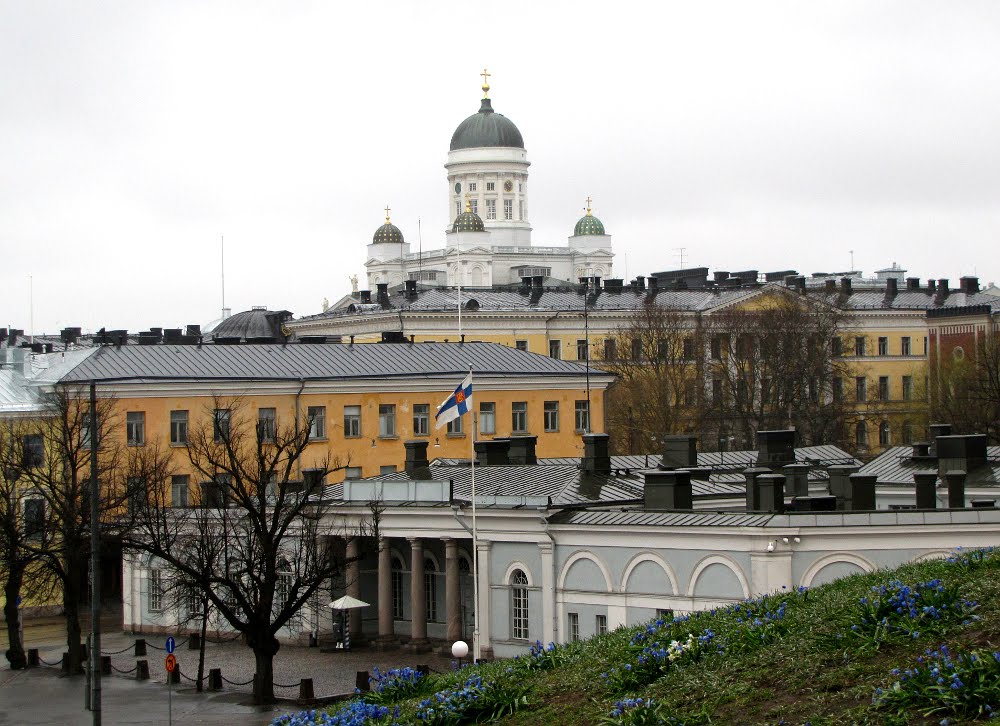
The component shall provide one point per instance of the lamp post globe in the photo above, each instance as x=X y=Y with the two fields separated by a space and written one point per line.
x=460 y=649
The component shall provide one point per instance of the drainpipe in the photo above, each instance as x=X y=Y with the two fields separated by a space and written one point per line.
x=298 y=398
x=550 y=629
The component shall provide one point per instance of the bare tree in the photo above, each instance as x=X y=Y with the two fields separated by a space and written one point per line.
x=965 y=388
x=658 y=390
x=258 y=540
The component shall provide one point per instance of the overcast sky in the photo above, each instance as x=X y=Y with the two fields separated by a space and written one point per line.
x=756 y=135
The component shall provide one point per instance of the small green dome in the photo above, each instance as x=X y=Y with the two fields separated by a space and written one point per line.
x=588 y=224
x=468 y=221
x=388 y=234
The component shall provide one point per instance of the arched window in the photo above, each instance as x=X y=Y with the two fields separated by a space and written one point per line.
x=430 y=588
x=397 y=588
x=884 y=434
x=519 y=605
x=861 y=434
x=907 y=432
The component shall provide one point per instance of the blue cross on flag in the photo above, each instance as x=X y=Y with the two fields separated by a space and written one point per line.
x=457 y=404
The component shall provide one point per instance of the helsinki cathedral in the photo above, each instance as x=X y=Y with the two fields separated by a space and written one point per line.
x=489 y=239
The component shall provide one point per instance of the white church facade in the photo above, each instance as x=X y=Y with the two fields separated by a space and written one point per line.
x=489 y=241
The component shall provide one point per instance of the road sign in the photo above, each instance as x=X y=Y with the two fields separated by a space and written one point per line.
x=171 y=644
x=171 y=663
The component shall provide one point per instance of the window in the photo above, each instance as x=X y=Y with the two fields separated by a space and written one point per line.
x=861 y=434
x=397 y=588
x=601 y=624
x=454 y=427
x=421 y=419
x=178 y=428
x=883 y=388
x=716 y=391
x=192 y=602
x=220 y=423
x=386 y=420
x=664 y=614
x=859 y=345
x=861 y=388
x=487 y=418
x=474 y=203
x=430 y=589
x=690 y=393
x=491 y=186
x=473 y=186
x=458 y=207
x=581 y=350
x=688 y=349
x=837 y=389
x=662 y=349
x=907 y=432
x=352 y=422
x=907 y=388
x=765 y=391
x=387 y=469
x=352 y=472
x=884 y=434
x=33 y=453
x=573 y=625
x=85 y=425
x=179 y=484
x=266 y=424
x=135 y=486
x=837 y=346
x=519 y=605
x=519 y=417
x=551 y=415
x=581 y=417
x=317 y=421
x=155 y=590
x=135 y=428
x=34 y=516
x=521 y=344
x=716 y=348
x=555 y=349
x=610 y=349
x=282 y=588
x=491 y=209
x=925 y=345
x=813 y=390
x=636 y=349
x=904 y=345
x=508 y=209
x=883 y=345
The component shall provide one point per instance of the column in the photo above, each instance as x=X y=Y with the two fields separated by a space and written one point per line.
x=485 y=596
x=452 y=592
x=354 y=585
x=548 y=592
x=385 y=625
x=418 y=596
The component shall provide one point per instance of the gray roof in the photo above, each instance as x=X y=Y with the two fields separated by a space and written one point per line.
x=896 y=466
x=316 y=362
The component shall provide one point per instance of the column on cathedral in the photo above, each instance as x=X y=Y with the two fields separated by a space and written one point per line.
x=452 y=591
x=385 y=621
x=354 y=584
x=418 y=595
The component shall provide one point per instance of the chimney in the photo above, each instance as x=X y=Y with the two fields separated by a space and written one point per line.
x=775 y=448
x=654 y=285
x=366 y=297
x=411 y=289
x=912 y=283
x=22 y=361
x=831 y=286
x=13 y=335
x=771 y=493
x=891 y=287
x=839 y=482
x=925 y=485
x=719 y=276
x=956 y=488
x=796 y=480
x=936 y=430
x=753 y=494
x=970 y=285
x=597 y=282
x=921 y=450
x=943 y=290
x=967 y=452
x=383 y=294
x=667 y=490
x=522 y=450
x=679 y=452
x=492 y=452
x=194 y=329
x=596 y=459
x=640 y=283
x=862 y=490
x=931 y=286
x=417 y=465
x=790 y=280
x=536 y=282
x=845 y=285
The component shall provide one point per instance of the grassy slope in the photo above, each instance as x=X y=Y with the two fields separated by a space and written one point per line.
x=808 y=674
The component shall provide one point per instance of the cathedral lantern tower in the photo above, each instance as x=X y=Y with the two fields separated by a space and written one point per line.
x=487 y=162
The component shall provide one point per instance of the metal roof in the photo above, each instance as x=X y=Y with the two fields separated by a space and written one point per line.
x=316 y=362
x=896 y=466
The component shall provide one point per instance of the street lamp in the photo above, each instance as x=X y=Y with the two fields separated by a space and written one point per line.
x=459 y=649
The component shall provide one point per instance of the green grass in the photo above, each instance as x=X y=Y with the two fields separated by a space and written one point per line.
x=808 y=665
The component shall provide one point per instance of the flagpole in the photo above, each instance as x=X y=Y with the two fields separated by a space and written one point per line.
x=475 y=538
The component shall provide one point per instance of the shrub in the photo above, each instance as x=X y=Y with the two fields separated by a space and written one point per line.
x=474 y=700
x=541 y=658
x=395 y=685
x=353 y=713
x=635 y=712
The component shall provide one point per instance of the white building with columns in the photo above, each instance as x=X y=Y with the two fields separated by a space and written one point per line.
x=489 y=241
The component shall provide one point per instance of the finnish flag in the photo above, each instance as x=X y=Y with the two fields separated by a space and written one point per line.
x=457 y=404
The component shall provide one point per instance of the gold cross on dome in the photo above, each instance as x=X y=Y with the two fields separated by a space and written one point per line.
x=588 y=204
x=387 y=214
x=486 y=84
x=468 y=203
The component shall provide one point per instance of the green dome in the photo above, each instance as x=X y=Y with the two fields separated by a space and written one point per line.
x=468 y=221
x=588 y=224
x=486 y=128
x=387 y=234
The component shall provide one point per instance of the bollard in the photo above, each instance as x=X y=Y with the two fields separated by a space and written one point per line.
x=306 y=690
x=105 y=665
x=174 y=676
x=32 y=657
x=140 y=647
x=65 y=662
x=361 y=681
x=194 y=643
x=215 y=679
x=423 y=668
x=480 y=661
x=142 y=670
